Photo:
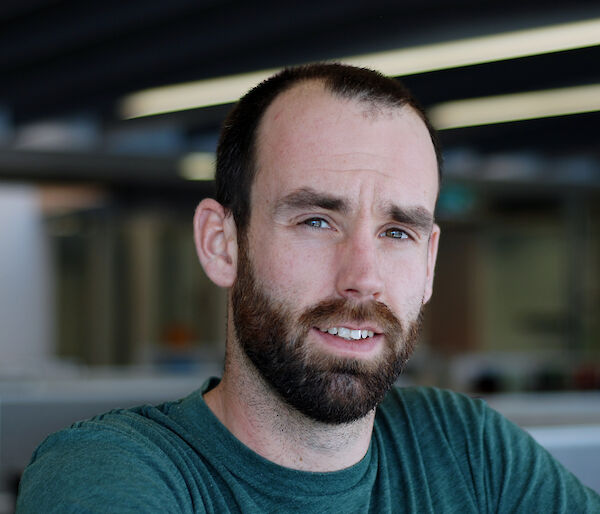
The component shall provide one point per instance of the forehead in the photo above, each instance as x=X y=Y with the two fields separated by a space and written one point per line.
x=309 y=137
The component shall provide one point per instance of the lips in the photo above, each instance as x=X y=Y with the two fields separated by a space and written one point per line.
x=356 y=348
x=352 y=325
x=349 y=333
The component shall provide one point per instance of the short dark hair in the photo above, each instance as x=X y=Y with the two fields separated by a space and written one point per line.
x=236 y=152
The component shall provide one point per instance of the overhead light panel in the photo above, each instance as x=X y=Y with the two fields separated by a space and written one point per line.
x=515 y=107
x=419 y=59
x=479 y=50
x=190 y=95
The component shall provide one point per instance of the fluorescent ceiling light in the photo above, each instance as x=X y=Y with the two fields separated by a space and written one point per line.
x=419 y=59
x=514 y=107
x=478 y=50
x=190 y=95
x=198 y=166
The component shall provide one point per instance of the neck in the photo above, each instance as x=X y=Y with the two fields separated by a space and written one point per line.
x=255 y=415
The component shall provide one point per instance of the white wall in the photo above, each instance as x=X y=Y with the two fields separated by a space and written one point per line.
x=26 y=312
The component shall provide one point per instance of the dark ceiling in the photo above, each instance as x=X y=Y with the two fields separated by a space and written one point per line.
x=69 y=63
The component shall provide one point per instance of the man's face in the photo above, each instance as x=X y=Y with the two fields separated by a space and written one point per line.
x=338 y=257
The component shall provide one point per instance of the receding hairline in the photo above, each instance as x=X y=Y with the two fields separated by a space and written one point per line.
x=375 y=108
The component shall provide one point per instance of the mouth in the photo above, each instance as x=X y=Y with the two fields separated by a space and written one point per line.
x=350 y=334
x=350 y=341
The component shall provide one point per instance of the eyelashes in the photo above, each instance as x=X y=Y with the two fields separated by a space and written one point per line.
x=319 y=223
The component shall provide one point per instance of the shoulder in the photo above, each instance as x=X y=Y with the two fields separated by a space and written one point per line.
x=508 y=470
x=434 y=418
x=130 y=427
x=456 y=420
x=125 y=457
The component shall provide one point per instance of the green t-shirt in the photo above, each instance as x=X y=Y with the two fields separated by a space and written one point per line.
x=431 y=451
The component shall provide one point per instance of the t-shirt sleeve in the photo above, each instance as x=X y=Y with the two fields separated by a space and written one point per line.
x=523 y=477
x=101 y=469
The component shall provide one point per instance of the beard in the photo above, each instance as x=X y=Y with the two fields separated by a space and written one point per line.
x=327 y=388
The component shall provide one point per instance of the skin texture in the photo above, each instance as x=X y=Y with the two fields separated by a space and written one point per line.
x=342 y=208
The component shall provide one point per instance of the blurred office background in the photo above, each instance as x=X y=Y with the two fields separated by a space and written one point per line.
x=102 y=301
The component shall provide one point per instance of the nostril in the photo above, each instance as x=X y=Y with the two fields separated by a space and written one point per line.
x=360 y=293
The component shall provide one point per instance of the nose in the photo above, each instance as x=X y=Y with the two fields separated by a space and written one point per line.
x=358 y=271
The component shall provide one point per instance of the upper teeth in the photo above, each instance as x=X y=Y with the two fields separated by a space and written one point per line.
x=348 y=333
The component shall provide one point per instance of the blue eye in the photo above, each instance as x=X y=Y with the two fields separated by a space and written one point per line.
x=395 y=233
x=316 y=223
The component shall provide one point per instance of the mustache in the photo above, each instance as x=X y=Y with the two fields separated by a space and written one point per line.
x=336 y=310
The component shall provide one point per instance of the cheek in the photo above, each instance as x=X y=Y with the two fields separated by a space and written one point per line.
x=405 y=280
x=294 y=271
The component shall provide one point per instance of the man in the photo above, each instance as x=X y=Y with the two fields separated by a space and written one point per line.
x=323 y=231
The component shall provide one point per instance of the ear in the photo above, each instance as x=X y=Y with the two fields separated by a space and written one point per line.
x=432 y=250
x=216 y=242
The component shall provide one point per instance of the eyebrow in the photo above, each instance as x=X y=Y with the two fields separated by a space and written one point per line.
x=418 y=218
x=307 y=197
